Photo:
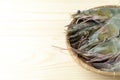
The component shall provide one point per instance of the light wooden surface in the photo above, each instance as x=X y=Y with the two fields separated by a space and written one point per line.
x=29 y=29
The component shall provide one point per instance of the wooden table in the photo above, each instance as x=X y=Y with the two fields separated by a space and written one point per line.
x=28 y=31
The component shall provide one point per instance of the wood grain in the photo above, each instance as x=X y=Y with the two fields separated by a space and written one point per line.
x=29 y=29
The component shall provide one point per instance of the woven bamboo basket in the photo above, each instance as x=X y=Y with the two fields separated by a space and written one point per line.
x=82 y=62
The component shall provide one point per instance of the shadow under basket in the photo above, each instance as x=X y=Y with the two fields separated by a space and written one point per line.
x=82 y=62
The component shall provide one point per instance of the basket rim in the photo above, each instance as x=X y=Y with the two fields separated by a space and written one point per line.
x=85 y=65
x=107 y=6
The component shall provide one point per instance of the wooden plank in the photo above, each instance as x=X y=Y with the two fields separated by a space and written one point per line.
x=28 y=31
